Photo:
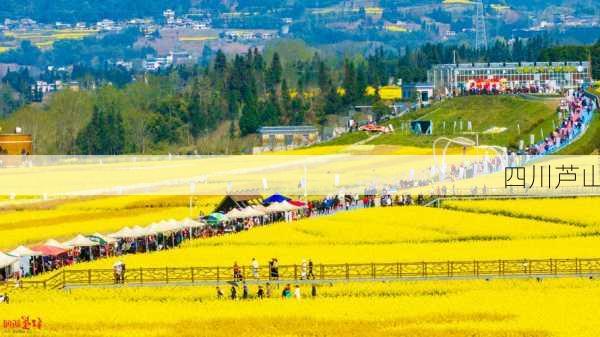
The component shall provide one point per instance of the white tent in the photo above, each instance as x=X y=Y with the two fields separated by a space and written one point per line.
x=57 y=244
x=104 y=237
x=22 y=251
x=24 y=255
x=286 y=206
x=141 y=232
x=276 y=207
x=190 y=223
x=164 y=226
x=80 y=241
x=236 y=214
x=7 y=260
x=251 y=211
x=260 y=208
x=123 y=234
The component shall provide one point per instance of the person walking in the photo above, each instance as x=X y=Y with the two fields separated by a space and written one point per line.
x=233 y=292
x=271 y=270
x=310 y=270
x=303 y=270
x=287 y=292
x=313 y=291
x=237 y=273
x=245 y=291
x=297 y=294
x=260 y=293
x=268 y=290
x=4 y=299
x=275 y=269
x=219 y=293
x=255 y=267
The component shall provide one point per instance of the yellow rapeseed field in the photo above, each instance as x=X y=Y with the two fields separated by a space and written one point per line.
x=394 y=234
x=579 y=211
x=499 y=308
x=63 y=219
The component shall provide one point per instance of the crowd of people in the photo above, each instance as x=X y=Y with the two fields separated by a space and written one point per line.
x=263 y=292
x=578 y=109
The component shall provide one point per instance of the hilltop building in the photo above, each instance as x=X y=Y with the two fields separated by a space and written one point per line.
x=527 y=77
x=287 y=137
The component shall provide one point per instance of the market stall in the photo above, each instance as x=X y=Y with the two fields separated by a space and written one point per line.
x=83 y=248
x=7 y=266
x=30 y=262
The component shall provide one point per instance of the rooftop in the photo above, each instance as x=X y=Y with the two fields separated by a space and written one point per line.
x=287 y=129
x=511 y=64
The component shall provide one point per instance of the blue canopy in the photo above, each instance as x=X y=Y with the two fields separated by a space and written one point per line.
x=275 y=198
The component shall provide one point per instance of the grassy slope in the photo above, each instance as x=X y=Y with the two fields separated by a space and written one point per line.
x=484 y=112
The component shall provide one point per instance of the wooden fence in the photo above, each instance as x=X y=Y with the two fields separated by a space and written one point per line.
x=326 y=272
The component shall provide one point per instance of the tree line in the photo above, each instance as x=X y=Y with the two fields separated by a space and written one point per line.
x=232 y=96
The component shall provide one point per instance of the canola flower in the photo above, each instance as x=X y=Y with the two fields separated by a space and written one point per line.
x=578 y=211
x=553 y=307
x=395 y=234
x=65 y=219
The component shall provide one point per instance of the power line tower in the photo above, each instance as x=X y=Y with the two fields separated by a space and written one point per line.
x=479 y=23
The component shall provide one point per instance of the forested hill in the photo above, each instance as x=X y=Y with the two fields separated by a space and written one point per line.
x=70 y=11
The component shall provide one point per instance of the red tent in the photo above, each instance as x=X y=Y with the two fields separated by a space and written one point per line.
x=49 y=250
x=297 y=203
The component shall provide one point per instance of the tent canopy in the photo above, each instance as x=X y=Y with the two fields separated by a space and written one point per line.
x=191 y=223
x=230 y=202
x=123 y=234
x=275 y=198
x=46 y=250
x=80 y=241
x=102 y=239
x=297 y=203
x=216 y=218
x=57 y=244
x=23 y=251
x=141 y=232
x=253 y=211
x=236 y=214
x=7 y=260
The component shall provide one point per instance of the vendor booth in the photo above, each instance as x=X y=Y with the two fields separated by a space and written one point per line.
x=30 y=262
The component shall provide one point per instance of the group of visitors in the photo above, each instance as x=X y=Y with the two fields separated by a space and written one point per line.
x=578 y=112
x=498 y=90
x=306 y=270
x=264 y=292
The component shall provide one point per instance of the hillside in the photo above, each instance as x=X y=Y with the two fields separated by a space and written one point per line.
x=489 y=116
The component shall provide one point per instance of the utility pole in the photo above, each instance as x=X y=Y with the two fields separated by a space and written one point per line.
x=479 y=23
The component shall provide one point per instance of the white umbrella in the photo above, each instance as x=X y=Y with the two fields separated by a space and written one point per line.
x=80 y=241
x=7 y=260
x=24 y=251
